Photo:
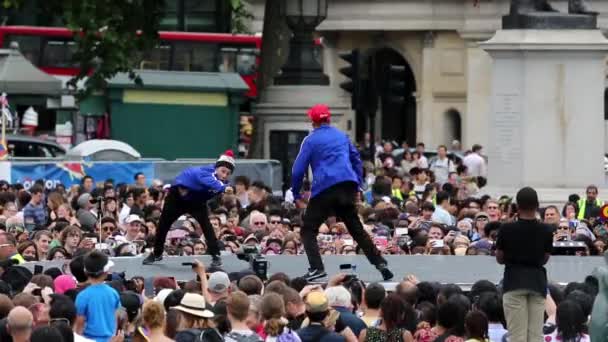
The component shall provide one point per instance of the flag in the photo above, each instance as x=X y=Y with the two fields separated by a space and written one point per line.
x=6 y=111
x=3 y=150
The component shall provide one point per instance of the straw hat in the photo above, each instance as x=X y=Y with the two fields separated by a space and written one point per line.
x=194 y=304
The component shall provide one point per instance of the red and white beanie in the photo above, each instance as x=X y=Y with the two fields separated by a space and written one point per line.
x=226 y=159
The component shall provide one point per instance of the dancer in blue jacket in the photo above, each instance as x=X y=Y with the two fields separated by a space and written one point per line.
x=337 y=176
x=189 y=194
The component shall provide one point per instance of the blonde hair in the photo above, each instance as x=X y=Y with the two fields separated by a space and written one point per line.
x=153 y=314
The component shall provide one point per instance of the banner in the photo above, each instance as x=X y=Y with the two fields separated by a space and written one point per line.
x=69 y=173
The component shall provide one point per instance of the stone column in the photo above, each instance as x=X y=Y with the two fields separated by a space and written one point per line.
x=479 y=81
x=425 y=124
x=547 y=119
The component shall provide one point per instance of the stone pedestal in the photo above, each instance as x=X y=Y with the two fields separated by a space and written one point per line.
x=547 y=108
x=283 y=108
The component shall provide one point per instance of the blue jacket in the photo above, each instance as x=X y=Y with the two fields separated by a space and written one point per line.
x=201 y=182
x=332 y=157
x=312 y=333
x=351 y=320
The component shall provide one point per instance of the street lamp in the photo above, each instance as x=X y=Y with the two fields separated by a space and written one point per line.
x=301 y=67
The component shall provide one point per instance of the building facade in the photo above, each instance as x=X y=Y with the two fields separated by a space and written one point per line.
x=449 y=80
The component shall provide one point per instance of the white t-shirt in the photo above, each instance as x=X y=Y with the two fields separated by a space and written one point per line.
x=476 y=165
x=78 y=338
x=442 y=169
x=242 y=336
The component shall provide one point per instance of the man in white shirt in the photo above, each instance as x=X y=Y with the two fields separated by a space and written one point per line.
x=442 y=166
x=441 y=214
x=475 y=163
x=424 y=162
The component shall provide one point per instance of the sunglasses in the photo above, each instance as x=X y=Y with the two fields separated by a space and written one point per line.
x=564 y=228
x=59 y=320
x=259 y=223
x=108 y=228
x=275 y=222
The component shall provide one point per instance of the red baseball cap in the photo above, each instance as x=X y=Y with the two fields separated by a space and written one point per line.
x=319 y=113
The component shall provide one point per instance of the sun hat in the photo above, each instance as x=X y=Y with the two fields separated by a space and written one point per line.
x=194 y=304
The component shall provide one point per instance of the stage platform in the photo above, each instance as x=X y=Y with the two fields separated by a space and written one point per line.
x=461 y=270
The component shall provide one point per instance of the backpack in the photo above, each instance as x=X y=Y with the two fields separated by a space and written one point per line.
x=244 y=338
x=199 y=335
x=288 y=336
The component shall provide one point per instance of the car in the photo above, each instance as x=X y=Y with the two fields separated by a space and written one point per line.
x=102 y=149
x=24 y=146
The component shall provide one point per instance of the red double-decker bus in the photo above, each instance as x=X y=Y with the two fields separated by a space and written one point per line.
x=51 y=49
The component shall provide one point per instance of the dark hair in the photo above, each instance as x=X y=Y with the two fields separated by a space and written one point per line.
x=36 y=189
x=374 y=295
x=242 y=180
x=421 y=144
x=490 y=227
x=46 y=333
x=280 y=276
x=77 y=269
x=251 y=285
x=450 y=316
x=174 y=298
x=393 y=313
x=490 y=304
x=442 y=196
x=94 y=263
x=137 y=175
x=476 y=326
x=482 y=286
x=570 y=320
x=428 y=206
x=583 y=299
x=65 y=330
x=54 y=250
x=476 y=148
x=527 y=199
x=427 y=292
x=137 y=192
x=447 y=291
x=62 y=307
x=428 y=312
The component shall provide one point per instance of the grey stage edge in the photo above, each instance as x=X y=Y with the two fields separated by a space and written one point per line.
x=461 y=270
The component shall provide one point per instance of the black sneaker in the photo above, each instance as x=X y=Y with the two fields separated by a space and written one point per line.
x=151 y=258
x=386 y=273
x=216 y=261
x=314 y=274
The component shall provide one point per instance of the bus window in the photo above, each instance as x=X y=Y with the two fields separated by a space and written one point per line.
x=29 y=46
x=58 y=53
x=245 y=62
x=227 y=59
x=157 y=58
x=194 y=56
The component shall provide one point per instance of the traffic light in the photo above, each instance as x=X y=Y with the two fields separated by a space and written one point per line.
x=396 y=75
x=352 y=73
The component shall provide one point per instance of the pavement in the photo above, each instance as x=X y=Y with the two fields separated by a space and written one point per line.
x=463 y=271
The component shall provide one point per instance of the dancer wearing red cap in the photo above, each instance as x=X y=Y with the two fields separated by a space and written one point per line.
x=189 y=194
x=337 y=176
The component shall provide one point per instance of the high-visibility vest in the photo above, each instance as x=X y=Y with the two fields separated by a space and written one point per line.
x=18 y=258
x=397 y=194
x=582 y=204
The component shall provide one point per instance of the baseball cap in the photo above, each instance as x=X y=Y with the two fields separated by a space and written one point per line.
x=481 y=214
x=218 y=282
x=316 y=301
x=133 y=218
x=131 y=302
x=319 y=113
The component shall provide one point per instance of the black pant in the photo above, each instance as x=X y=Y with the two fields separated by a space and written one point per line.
x=339 y=200
x=175 y=206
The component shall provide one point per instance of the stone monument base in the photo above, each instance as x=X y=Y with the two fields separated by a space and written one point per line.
x=549 y=21
x=547 y=118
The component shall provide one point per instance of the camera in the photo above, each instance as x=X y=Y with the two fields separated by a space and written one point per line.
x=95 y=200
x=257 y=262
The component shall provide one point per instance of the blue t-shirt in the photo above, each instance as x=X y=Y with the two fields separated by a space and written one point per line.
x=98 y=304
